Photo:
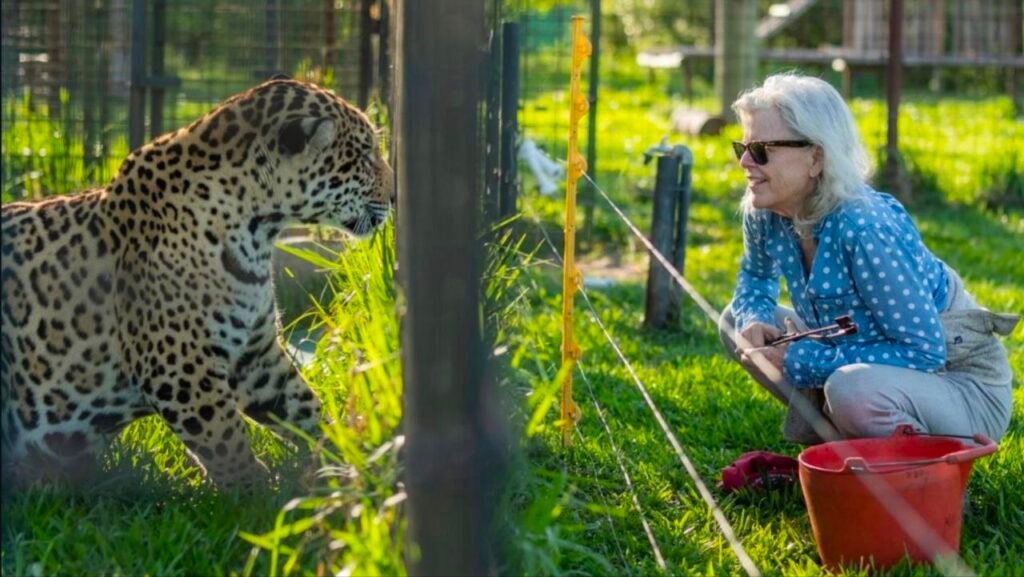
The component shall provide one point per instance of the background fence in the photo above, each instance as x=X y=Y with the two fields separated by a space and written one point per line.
x=78 y=92
x=71 y=69
x=660 y=55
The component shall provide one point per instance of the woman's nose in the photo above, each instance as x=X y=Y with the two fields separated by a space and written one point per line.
x=747 y=161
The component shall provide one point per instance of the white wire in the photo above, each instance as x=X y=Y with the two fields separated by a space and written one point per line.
x=909 y=520
x=659 y=558
x=723 y=524
x=632 y=493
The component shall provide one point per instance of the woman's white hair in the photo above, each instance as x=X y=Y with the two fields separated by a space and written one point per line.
x=813 y=110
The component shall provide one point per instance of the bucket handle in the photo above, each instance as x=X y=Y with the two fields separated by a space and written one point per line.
x=986 y=447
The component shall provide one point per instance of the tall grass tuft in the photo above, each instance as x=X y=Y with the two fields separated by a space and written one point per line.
x=351 y=521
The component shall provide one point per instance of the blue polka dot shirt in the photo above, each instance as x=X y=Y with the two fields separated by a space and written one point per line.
x=870 y=264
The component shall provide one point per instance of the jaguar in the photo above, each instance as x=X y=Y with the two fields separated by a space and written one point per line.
x=154 y=294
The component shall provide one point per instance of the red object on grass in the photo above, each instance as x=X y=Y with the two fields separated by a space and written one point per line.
x=758 y=470
x=878 y=500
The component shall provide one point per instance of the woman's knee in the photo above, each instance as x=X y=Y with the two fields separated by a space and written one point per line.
x=857 y=403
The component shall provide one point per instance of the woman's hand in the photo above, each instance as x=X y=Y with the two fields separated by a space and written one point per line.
x=759 y=356
x=757 y=335
x=762 y=357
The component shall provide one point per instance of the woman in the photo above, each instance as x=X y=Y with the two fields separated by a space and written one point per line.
x=924 y=353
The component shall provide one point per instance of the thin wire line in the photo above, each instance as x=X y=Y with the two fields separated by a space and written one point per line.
x=916 y=528
x=723 y=524
x=659 y=558
x=611 y=523
x=625 y=475
x=593 y=475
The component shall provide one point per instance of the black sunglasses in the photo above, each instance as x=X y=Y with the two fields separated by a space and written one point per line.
x=759 y=148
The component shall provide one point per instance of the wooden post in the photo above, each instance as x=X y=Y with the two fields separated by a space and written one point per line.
x=329 y=49
x=450 y=459
x=682 y=216
x=271 y=29
x=735 y=51
x=509 y=118
x=90 y=65
x=365 y=53
x=156 y=95
x=668 y=235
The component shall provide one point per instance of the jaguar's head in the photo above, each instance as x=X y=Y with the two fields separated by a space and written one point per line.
x=329 y=167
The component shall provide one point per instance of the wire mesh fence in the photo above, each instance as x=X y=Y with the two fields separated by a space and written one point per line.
x=961 y=98
x=76 y=85
x=68 y=77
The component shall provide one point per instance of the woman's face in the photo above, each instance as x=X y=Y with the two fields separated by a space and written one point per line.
x=781 y=184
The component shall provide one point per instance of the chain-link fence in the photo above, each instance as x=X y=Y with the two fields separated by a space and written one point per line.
x=85 y=81
x=961 y=97
x=78 y=93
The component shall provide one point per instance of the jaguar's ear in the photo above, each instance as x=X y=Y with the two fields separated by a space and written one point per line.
x=280 y=77
x=296 y=135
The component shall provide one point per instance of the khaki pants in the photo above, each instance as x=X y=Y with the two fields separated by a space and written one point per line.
x=871 y=400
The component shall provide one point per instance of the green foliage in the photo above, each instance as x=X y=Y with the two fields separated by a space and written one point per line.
x=149 y=514
x=351 y=520
x=957 y=151
x=718 y=412
x=44 y=156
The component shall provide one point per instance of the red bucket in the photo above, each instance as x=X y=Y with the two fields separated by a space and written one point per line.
x=875 y=501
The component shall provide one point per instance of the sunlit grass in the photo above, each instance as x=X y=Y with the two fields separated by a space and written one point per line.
x=565 y=512
x=717 y=412
x=712 y=406
x=149 y=514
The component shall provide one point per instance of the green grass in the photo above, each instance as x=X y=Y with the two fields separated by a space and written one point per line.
x=588 y=523
x=717 y=412
x=149 y=514
x=565 y=512
x=43 y=155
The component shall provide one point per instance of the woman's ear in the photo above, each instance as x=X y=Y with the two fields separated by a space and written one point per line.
x=817 y=162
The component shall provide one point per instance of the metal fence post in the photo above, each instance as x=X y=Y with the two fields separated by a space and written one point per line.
x=509 y=117
x=492 y=129
x=668 y=233
x=452 y=459
x=137 y=82
x=156 y=97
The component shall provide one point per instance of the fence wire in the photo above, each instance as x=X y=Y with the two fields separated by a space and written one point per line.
x=616 y=452
x=909 y=520
x=67 y=72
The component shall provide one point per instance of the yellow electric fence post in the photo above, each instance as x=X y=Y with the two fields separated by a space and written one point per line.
x=571 y=278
